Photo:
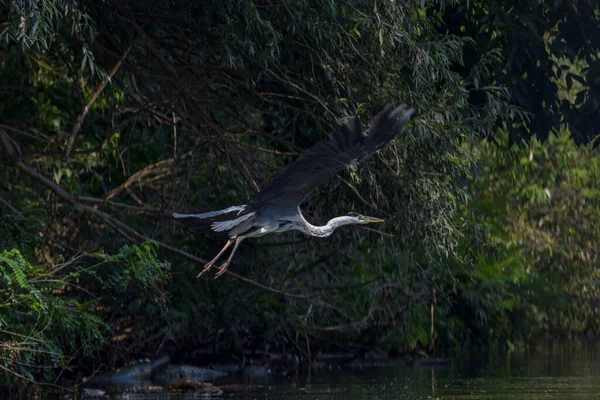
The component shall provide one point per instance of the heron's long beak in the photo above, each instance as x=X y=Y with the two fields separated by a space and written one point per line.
x=372 y=220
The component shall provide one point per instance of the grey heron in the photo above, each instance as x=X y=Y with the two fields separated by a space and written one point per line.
x=276 y=208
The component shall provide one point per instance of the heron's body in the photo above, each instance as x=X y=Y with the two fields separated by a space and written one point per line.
x=275 y=209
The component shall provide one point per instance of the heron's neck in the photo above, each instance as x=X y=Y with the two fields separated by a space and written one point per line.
x=332 y=225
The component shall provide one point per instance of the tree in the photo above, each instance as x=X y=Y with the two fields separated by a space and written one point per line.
x=549 y=59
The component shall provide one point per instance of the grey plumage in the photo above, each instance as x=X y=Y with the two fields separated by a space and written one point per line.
x=276 y=209
x=211 y=213
x=208 y=221
x=227 y=225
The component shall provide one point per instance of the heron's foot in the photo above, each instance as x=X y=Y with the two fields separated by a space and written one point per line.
x=207 y=268
x=222 y=269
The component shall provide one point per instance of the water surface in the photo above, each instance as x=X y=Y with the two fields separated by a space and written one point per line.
x=553 y=370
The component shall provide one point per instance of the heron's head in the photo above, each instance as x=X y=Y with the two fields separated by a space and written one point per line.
x=362 y=219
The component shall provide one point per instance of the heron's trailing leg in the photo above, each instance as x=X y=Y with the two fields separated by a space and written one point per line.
x=209 y=265
x=223 y=268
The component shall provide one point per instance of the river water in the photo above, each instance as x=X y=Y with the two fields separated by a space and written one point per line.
x=552 y=370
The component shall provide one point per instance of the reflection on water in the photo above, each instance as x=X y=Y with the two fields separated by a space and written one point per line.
x=553 y=370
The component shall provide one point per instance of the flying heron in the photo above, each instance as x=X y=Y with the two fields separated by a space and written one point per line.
x=276 y=208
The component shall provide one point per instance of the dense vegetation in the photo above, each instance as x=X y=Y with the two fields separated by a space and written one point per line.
x=114 y=114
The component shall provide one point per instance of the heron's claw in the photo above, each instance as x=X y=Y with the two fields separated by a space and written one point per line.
x=207 y=268
x=222 y=269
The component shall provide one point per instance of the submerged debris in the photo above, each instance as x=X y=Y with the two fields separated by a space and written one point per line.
x=176 y=373
x=139 y=372
x=190 y=385
x=154 y=376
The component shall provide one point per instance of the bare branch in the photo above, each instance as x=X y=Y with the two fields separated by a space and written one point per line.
x=117 y=204
x=141 y=173
x=7 y=204
x=79 y=121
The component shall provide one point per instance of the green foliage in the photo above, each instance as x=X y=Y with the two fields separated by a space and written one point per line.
x=44 y=319
x=40 y=25
x=549 y=60
x=541 y=202
x=137 y=264
x=38 y=327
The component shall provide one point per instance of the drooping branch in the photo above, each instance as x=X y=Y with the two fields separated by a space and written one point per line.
x=88 y=106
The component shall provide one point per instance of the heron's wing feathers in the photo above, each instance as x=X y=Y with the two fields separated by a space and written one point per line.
x=211 y=214
x=215 y=220
x=346 y=146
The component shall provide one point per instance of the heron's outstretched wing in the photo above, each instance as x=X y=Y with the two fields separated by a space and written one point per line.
x=346 y=146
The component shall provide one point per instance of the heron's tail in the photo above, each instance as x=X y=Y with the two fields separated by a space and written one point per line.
x=217 y=220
